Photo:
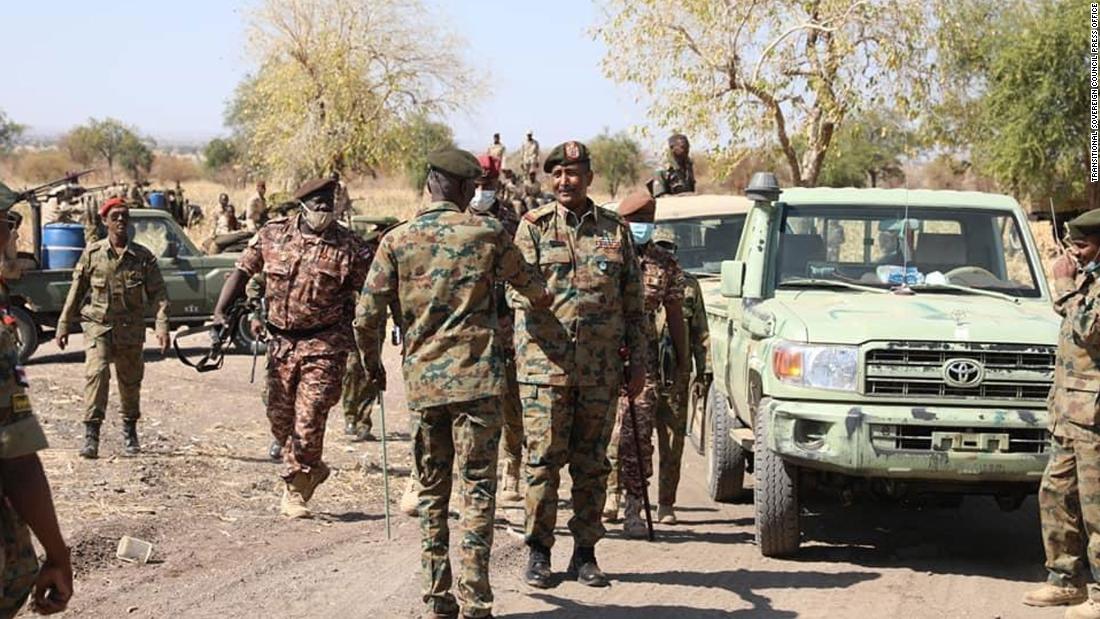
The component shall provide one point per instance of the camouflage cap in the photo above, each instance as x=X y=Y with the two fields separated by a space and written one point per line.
x=565 y=154
x=665 y=236
x=1085 y=224
x=8 y=198
x=456 y=162
x=317 y=186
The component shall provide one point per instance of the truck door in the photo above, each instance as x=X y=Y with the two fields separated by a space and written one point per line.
x=186 y=287
x=740 y=342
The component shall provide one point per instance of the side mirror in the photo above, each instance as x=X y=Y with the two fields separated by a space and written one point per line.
x=733 y=278
x=172 y=251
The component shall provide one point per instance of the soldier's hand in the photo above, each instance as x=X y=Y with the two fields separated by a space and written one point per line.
x=257 y=328
x=162 y=339
x=218 y=318
x=543 y=301
x=62 y=341
x=636 y=382
x=54 y=586
x=376 y=374
x=1065 y=266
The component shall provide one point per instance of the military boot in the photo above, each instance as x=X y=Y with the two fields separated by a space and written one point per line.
x=90 y=450
x=1053 y=595
x=293 y=504
x=509 y=484
x=584 y=568
x=634 y=526
x=411 y=498
x=666 y=514
x=275 y=452
x=130 y=437
x=538 y=572
x=318 y=473
x=1090 y=609
x=611 y=508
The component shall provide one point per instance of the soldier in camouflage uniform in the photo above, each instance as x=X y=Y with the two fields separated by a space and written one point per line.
x=112 y=283
x=1069 y=495
x=358 y=395
x=312 y=268
x=672 y=394
x=25 y=501
x=679 y=176
x=631 y=450
x=440 y=268
x=568 y=359
x=486 y=202
x=529 y=153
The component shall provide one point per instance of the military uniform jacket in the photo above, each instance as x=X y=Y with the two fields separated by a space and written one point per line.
x=695 y=325
x=110 y=291
x=1074 y=395
x=590 y=267
x=506 y=215
x=440 y=268
x=673 y=180
x=309 y=282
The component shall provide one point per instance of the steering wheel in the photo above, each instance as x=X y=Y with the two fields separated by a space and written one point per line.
x=972 y=276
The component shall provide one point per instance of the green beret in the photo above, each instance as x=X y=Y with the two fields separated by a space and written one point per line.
x=8 y=198
x=1085 y=224
x=565 y=154
x=456 y=162
x=317 y=186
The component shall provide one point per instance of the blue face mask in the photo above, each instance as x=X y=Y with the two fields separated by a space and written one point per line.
x=642 y=232
x=1091 y=267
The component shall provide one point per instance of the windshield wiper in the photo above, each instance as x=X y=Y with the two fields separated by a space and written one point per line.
x=968 y=290
x=806 y=282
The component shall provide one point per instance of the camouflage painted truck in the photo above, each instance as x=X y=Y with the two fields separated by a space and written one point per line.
x=880 y=342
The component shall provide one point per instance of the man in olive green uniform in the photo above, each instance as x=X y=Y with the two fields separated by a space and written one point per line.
x=568 y=359
x=113 y=282
x=440 y=269
x=679 y=176
x=25 y=501
x=529 y=153
x=673 y=400
x=1069 y=495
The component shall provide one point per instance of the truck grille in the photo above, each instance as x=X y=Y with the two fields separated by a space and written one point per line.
x=923 y=438
x=916 y=370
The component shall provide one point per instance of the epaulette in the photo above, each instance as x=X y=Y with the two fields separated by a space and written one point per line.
x=536 y=214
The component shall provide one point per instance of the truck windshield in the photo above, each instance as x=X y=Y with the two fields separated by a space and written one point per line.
x=946 y=251
x=703 y=242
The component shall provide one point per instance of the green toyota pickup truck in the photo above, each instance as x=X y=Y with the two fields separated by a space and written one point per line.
x=887 y=342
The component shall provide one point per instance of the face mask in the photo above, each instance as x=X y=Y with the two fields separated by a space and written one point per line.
x=642 y=232
x=483 y=200
x=1091 y=267
x=317 y=221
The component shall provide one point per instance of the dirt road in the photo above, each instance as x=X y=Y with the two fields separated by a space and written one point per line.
x=205 y=494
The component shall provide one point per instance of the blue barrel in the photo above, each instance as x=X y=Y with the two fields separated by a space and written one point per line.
x=62 y=245
x=157 y=200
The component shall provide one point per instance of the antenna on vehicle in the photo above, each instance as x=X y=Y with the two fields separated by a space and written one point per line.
x=904 y=287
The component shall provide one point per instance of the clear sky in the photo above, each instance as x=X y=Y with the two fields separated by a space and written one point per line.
x=168 y=67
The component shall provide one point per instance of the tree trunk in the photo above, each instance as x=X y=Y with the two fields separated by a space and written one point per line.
x=874 y=177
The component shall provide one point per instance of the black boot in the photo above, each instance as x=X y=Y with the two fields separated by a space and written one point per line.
x=90 y=450
x=583 y=566
x=538 y=567
x=275 y=452
x=130 y=437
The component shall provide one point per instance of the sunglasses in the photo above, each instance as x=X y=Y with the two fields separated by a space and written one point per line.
x=118 y=216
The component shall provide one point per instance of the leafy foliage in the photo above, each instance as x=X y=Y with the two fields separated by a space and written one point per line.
x=9 y=133
x=110 y=141
x=866 y=151
x=219 y=153
x=749 y=73
x=414 y=142
x=617 y=159
x=336 y=79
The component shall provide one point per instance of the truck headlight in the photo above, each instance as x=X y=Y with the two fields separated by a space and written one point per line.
x=820 y=367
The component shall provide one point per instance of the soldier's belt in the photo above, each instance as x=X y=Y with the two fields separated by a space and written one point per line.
x=300 y=333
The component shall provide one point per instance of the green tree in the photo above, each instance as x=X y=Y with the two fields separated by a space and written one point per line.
x=617 y=159
x=9 y=133
x=414 y=141
x=866 y=151
x=219 y=153
x=768 y=71
x=135 y=155
x=110 y=141
x=336 y=78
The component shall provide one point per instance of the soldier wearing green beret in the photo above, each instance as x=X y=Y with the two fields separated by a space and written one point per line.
x=1069 y=494
x=25 y=502
x=453 y=370
x=568 y=361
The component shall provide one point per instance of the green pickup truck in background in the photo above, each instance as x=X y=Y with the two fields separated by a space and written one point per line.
x=881 y=342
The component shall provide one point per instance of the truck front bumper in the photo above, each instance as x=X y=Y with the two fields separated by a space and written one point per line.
x=952 y=444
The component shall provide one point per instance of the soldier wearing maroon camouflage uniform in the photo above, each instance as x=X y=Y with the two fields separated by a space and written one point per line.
x=312 y=269
x=631 y=447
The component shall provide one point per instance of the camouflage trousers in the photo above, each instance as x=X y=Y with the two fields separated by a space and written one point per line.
x=671 y=428
x=511 y=445
x=566 y=425
x=1069 y=510
x=300 y=391
x=18 y=565
x=357 y=395
x=124 y=350
x=465 y=435
x=631 y=470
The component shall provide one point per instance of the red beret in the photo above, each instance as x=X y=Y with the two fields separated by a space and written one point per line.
x=638 y=206
x=110 y=204
x=490 y=166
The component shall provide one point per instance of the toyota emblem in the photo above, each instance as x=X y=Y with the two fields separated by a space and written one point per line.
x=963 y=373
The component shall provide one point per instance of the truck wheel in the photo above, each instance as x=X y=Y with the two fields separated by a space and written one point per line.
x=26 y=331
x=697 y=420
x=725 y=458
x=778 y=531
x=242 y=337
